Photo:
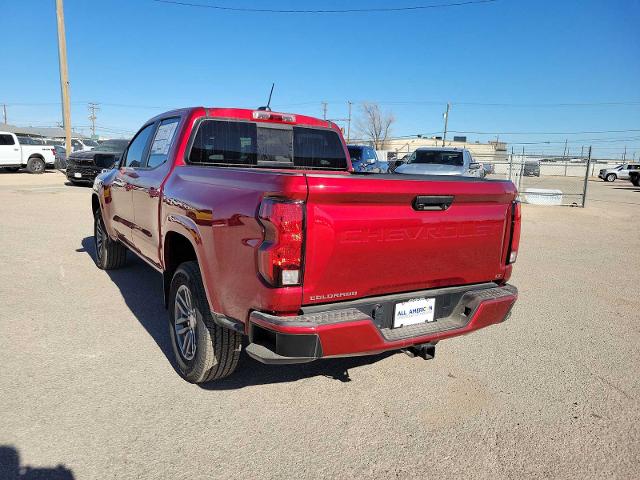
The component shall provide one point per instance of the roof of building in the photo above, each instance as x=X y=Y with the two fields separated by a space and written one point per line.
x=50 y=132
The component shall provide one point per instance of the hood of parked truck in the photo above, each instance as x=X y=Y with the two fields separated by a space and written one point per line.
x=430 y=169
x=84 y=156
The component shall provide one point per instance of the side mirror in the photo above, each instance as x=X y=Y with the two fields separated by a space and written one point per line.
x=474 y=166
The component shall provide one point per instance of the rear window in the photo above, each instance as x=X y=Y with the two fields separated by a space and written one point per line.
x=437 y=157
x=245 y=144
x=355 y=153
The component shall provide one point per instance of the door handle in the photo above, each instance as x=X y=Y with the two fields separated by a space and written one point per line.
x=432 y=203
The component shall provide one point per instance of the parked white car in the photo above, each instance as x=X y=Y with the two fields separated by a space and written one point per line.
x=621 y=172
x=441 y=161
x=15 y=155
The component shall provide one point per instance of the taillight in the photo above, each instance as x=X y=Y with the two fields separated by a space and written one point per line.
x=514 y=240
x=280 y=254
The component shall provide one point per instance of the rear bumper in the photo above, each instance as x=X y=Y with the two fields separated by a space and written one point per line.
x=364 y=327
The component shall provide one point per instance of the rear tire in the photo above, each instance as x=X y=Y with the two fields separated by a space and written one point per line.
x=110 y=254
x=611 y=177
x=36 y=165
x=204 y=351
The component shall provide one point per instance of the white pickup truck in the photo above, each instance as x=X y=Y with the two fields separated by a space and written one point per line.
x=14 y=155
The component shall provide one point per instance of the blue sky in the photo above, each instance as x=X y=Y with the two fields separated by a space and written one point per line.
x=139 y=58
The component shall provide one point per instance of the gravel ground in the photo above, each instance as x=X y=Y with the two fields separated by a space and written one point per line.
x=87 y=389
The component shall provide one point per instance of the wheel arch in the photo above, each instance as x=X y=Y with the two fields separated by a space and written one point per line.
x=177 y=248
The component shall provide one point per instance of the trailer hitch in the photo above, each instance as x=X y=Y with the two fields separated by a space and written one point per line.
x=426 y=351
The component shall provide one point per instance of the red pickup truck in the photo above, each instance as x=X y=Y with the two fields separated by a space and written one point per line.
x=261 y=228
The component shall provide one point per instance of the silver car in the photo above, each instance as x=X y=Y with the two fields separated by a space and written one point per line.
x=621 y=171
x=441 y=161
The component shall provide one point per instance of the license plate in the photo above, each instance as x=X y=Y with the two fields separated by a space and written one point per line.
x=417 y=310
x=77 y=175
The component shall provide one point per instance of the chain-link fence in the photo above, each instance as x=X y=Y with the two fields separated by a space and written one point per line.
x=540 y=178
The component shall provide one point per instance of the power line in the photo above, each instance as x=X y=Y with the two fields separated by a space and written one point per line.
x=623 y=103
x=545 y=133
x=345 y=10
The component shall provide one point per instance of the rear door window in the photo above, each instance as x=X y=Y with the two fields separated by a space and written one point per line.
x=7 y=140
x=162 y=142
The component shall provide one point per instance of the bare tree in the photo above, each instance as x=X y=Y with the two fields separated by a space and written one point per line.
x=375 y=125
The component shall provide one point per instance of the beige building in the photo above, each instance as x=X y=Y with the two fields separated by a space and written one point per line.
x=491 y=151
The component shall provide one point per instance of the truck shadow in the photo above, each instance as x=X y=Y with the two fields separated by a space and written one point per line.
x=10 y=468
x=141 y=289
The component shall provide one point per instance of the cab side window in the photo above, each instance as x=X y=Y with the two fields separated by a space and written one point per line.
x=162 y=142
x=138 y=148
x=6 y=140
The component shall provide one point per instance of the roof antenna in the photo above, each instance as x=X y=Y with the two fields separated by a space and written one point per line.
x=268 y=106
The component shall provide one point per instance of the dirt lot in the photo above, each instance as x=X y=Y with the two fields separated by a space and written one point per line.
x=86 y=382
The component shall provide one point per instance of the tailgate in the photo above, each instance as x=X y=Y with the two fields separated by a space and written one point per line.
x=367 y=236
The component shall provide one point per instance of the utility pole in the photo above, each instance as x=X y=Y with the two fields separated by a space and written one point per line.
x=64 y=75
x=93 y=108
x=4 y=112
x=586 y=180
x=324 y=110
x=446 y=122
x=624 y=155
x=349 y=123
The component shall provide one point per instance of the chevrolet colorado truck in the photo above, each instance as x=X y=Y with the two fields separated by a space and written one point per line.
x=261 y=228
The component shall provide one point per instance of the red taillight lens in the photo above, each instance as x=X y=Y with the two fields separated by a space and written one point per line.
x=280 y=254
x=514 y=240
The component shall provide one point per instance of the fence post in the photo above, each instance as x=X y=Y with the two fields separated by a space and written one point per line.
x=510 y=163
x=521 y=171
x=586 y=180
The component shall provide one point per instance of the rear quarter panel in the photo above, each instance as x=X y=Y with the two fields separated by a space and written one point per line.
x=216 y=208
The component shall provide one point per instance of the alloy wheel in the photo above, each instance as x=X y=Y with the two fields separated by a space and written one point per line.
x=184 y=314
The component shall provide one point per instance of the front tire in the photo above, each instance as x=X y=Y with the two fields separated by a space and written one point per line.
x=35 y=165
x=204 y=351
x=110 y=254
x=611 y=177
x=636 y=181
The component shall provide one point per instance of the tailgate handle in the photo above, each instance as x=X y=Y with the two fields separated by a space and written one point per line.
x=432 y=202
